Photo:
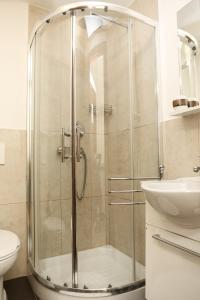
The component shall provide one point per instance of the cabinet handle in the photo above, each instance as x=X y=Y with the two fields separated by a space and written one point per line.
x=189 y=251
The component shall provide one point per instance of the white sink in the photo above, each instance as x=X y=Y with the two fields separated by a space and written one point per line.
x=177 y=199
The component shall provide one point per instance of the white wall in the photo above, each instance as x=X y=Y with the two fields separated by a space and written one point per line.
x=13 y=64
x=169 y=69
x=13 y=60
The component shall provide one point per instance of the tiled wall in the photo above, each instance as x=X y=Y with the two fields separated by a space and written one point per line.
x=181 y=146
x=13 y=193
x=145 y=112
x=120 y=160
x=133 y=142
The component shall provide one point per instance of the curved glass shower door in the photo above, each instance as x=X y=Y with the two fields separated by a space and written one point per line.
x=52 y=150
x=93 y=137
x=104 y=114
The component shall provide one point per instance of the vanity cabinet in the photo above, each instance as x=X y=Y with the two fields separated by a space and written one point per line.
x=172 y=266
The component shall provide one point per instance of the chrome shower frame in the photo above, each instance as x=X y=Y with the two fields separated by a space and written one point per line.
x=70 y=9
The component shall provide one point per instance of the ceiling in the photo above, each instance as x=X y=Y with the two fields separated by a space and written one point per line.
x=52 y=4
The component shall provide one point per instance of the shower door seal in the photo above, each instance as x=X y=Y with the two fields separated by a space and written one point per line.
x=73 y=128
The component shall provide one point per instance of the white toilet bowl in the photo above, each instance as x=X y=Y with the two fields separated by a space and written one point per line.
x=9 y=247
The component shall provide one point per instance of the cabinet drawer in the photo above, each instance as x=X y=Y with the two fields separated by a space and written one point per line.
x=172 y=266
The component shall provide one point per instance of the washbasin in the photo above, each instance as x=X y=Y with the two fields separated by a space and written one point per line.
x=178 y=200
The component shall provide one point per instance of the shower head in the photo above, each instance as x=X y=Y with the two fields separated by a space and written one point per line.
x=91 y=23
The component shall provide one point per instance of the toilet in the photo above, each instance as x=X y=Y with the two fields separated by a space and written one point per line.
x=9 y=247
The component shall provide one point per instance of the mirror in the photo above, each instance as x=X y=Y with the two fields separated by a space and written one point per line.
x=189 y=49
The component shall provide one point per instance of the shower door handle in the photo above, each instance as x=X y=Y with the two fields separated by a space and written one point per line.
x=78 y=146
x=80 y=131
x=62 y=149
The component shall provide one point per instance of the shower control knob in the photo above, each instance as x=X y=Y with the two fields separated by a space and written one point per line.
x=85 y=287
x=196 y=169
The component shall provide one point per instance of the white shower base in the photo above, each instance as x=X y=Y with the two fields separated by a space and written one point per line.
x=98 y=267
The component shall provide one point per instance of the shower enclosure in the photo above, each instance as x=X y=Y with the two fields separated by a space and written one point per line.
x=93 y=136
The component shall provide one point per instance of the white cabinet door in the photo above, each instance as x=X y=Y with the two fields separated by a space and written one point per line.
x=171 y=273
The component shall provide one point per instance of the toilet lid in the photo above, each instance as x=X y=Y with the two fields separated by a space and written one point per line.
x=9 y=243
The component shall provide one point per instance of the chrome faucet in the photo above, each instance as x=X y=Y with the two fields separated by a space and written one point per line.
x=196 y=169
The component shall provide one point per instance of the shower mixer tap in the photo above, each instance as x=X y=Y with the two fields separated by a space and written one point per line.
x=63 y=149
x=196 y=169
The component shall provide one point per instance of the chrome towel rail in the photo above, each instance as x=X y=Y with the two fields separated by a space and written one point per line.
x=125 y=191
x=189 y=251
x=126 y=203
x=130 y=178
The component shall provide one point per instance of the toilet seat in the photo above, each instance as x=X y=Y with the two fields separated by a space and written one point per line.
x=9 y=244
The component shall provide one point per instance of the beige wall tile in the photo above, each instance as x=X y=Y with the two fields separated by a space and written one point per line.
x=53 y=76
x=49 y=229
x=66 y=212
x=66 y=180
x=121 y=228
x=13 y=173
x=120 y=154
x=118 y=95
x=98 y=221
x=181 y=146
x=145 y=144
x=144 y=69
x=49 y=166
x=84 y=224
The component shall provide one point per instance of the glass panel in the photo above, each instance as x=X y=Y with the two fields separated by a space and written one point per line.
x=31 y=86
x=52 y=185
x=105 y=235
x=145 y=128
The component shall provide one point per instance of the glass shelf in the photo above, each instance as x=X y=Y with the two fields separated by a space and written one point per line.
x=185 y=111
